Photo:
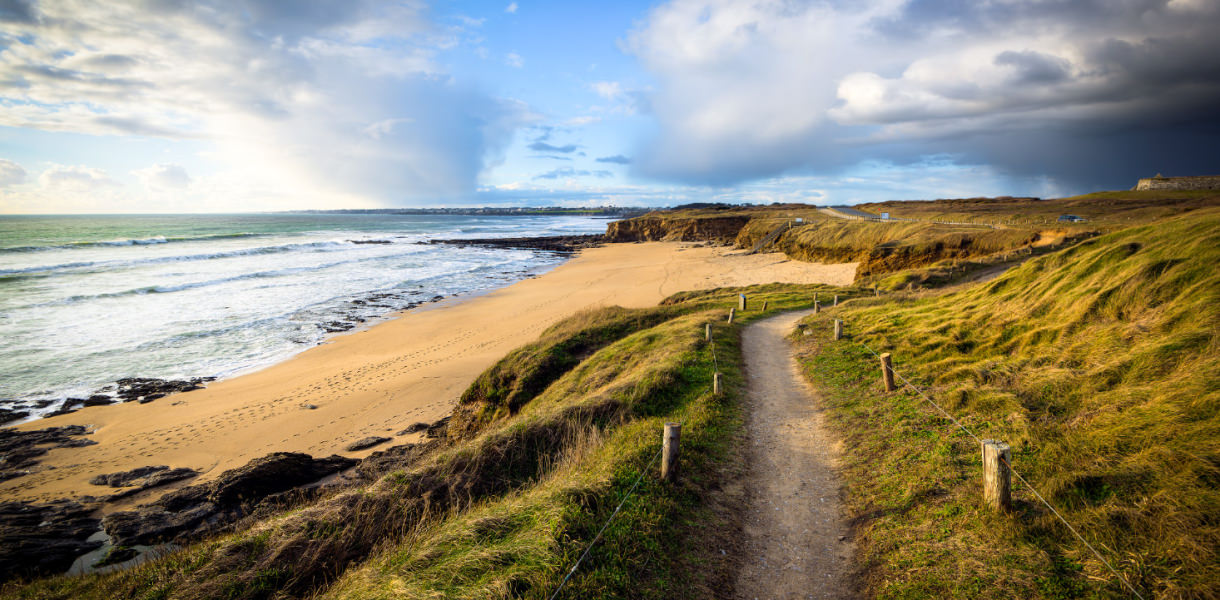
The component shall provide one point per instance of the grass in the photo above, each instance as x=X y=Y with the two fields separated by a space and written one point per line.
x=1099 y=364
x=504 y=506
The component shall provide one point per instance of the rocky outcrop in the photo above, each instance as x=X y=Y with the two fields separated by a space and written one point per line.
x=144 y=389
x=393 y=458
x=366 y=443
x=7 y=415
x=658 y=228
x=196 y=510
x=141 y=478
x=19 y=449
x=559 y=243
x=39 y=539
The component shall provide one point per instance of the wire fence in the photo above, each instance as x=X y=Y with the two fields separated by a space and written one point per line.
x=1018 y=475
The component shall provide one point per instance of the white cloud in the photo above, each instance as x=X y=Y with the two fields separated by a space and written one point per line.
x=76 y=179
x=610 y=90
x=511 y=8
x=514 y=60
x=164 y=177
x=11 y=173
x=756 y=88
x=328 y=103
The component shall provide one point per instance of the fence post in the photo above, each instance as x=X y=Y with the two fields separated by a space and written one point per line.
x=817 y=308
x=707 y=332
x=836 y=300
x=764 y=306
x=887 y=372
x=838 y=329
x=731 y=312
x=716 y=383
x=669 y=452
x=741 y=302
x=876 y=292
x=997 y=477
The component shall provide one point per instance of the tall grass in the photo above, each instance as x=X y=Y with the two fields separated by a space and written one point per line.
x=1100 y=365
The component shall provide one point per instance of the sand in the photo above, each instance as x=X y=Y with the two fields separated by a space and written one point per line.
x=378 y=381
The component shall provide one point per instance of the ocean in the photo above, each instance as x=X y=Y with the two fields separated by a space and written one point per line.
x=88 y=300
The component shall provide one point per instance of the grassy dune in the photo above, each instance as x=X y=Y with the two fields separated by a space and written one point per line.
x=547 y=442
x=1099 y=364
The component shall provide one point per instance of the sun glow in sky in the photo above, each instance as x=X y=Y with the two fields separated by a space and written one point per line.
x=237 y=105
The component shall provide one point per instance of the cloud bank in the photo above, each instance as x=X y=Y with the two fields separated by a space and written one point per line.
x=1090 y=93
x=326 y=102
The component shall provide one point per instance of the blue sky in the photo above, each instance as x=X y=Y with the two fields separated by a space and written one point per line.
x=206 y=106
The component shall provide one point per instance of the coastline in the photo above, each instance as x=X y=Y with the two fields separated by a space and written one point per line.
x=379 y=380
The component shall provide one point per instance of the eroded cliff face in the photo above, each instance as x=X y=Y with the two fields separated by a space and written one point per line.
x=720 y=230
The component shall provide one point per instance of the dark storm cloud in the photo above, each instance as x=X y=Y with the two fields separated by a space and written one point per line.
x=1086 y=93
x=17 y=11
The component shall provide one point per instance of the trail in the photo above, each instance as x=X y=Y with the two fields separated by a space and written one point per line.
x=793 y=523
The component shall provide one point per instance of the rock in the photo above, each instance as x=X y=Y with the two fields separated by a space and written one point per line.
x=64 y=408
x=38 y=539
x=367 y=442
x=98 y=400
x=381 y=462
x=116 y=555
x=196 y=510
x=416 y=428
x=144 y=477
x=437 y=429
x=309 y=406
x=7 y=415
x=559 y=243
x=19 y=449
x=145 y=389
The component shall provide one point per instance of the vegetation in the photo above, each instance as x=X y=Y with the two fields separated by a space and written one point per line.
x=506 y=505
x=1099 y=365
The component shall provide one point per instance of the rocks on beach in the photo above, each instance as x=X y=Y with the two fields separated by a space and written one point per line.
x=208 y=507
x=140 y=479
x=37 y=539
x=146 y=389
x=19 y=449
x=366 y=443
x=561 y=243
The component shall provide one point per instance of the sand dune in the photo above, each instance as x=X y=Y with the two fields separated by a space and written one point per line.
x=380 y=380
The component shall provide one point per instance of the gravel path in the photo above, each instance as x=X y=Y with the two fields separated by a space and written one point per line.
x=795 y=535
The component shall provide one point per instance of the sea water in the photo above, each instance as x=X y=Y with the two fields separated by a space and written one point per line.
x=88 y=300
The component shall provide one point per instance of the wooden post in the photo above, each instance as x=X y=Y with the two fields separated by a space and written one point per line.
x=731 y=311
x=716 y=383
x=817 y=308
x=707 y=332
x=764 y=306
x=741 y=302
x=838 y=329
x=815 y=297
x=887 y=372
x=997 y=477
x=876 y=292
x=669 y=451
x=836 y=300
x=910 y=285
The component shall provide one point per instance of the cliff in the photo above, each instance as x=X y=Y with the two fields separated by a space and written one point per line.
x=654 y=227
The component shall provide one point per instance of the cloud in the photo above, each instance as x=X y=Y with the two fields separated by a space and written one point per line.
x=1093 y=93
x=514 y=60
x=610 y=90
x=570 y=172
x=331 y=103
x=541 y=146
x=164 y=177
x=617 y=159
x=76 y=179
x=511 y=8
x=11 y=173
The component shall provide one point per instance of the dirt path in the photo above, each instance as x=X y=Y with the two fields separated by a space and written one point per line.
x=793 y=523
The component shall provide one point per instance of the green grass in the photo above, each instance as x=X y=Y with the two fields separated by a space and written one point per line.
x=504 y=507
x=1099 y=364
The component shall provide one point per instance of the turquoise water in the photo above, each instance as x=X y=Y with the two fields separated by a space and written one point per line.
x=87 y=300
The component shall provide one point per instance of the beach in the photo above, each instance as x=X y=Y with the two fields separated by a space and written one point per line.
x=380 y=380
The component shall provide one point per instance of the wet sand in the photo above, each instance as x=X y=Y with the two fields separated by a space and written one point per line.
x=380 y=380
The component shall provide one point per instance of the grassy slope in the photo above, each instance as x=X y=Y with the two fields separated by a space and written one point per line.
x=506 y=506
x=1100 y=365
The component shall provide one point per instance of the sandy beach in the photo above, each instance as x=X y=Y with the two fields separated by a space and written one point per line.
x=380 y=380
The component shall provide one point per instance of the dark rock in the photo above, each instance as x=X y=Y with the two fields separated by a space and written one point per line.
x=562 y=243
x=142 y=478
x=37 y=539
x=19 y=449
x=371 y=241
x=337 y=326
x=147 y=389
x=98 y=400
x=367 y=442
x=437 y=429
x=200 y=509
x=64 y=408
x=415 y=428
x=381 y=462
x=43 y=403
x=116 y=555
x=7 y=415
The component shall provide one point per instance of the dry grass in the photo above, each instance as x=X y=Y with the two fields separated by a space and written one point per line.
x=1100 y=365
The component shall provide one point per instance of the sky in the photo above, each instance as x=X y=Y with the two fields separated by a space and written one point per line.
x=259 y=105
